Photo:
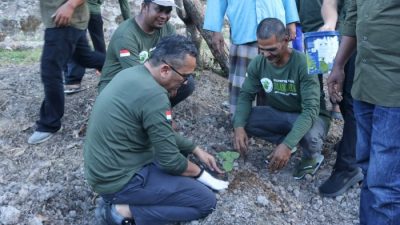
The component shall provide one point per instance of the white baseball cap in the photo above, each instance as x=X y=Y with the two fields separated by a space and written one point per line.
x=163 y=2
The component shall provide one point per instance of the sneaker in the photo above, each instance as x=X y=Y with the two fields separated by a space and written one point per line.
x=340 y=181
x=308 y=166
x=38 y=137
x=72 y=88
x=106 y=214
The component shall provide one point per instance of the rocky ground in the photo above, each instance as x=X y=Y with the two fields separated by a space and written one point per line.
x=44 y=184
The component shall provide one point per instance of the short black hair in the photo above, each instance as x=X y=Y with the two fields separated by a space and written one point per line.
x=269 y=27
x=173 y=50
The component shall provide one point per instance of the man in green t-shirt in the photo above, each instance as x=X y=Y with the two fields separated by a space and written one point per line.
x=134 y=159
x=293 y=114
x=132 y=42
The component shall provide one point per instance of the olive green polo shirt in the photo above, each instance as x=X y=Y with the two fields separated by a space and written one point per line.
x=377 y=70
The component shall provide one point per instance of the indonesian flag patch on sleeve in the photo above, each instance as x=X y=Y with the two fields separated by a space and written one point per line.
x=168 y=115
x=124 y=53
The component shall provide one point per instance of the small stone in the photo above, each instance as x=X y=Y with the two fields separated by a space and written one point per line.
x=262 y=200
x=35 y=221
x=195 y=222
x=339 y=198
x=296 y=193
x=9 y=215
x=72 y=213
x=308 y=177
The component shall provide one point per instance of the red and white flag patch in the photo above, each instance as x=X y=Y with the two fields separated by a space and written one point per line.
x=168 y=115
x=124 y=53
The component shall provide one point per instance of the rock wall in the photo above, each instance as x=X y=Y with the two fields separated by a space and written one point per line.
x=21 y=26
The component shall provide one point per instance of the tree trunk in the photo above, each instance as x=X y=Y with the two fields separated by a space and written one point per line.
x=193 y=17
x=191 y=28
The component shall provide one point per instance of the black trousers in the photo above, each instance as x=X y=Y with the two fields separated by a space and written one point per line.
x=60 y=45
x=346 y=148
x=74 y=72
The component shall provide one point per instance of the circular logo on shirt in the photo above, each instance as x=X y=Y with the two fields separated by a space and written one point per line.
x=267 y=84
x=143 y=56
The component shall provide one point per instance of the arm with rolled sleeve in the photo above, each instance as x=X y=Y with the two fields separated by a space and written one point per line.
x=309 y=91
x=214 y=16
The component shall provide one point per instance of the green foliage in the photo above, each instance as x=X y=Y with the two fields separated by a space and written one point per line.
x=227 y=158
x=18 y=57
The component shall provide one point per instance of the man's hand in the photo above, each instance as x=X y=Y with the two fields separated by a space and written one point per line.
x=218 y=41
x=207 y=159
x=291 y=29
x=241 y=141
x=335 y=84
x=62 y=17
x=280 y=157
x=327 y=27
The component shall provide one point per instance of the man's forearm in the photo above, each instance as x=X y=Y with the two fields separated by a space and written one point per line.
x=346 y=49
x=329 y=12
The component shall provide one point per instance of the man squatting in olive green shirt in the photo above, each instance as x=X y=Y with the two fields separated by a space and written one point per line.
x=291 y=115
x=132 y=42
x=132 y=155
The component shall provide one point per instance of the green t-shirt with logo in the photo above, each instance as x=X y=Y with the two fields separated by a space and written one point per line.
x=288 y=88
x=129 y=46
x=79 y=20
x=129 y=127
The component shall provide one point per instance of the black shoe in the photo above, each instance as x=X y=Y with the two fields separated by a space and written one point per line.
x=340 y=181
x=106 y=215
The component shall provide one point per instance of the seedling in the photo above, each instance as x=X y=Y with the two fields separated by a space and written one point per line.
x=227 y=158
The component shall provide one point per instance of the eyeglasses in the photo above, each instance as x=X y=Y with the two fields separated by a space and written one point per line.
x=185 y=77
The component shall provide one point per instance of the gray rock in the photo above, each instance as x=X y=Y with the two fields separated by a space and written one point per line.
x=35 y=221
x=9 y=215
x=262 y=200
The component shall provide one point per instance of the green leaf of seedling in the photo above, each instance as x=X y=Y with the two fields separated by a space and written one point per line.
x=227 y=166
x=228 y=155
x=227 y=158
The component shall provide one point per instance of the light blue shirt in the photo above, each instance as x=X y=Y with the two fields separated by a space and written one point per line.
x=245 y=15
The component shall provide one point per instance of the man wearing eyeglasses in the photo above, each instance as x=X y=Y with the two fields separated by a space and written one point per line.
x=134 y=159
x=134 y=39
x=292 y=115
